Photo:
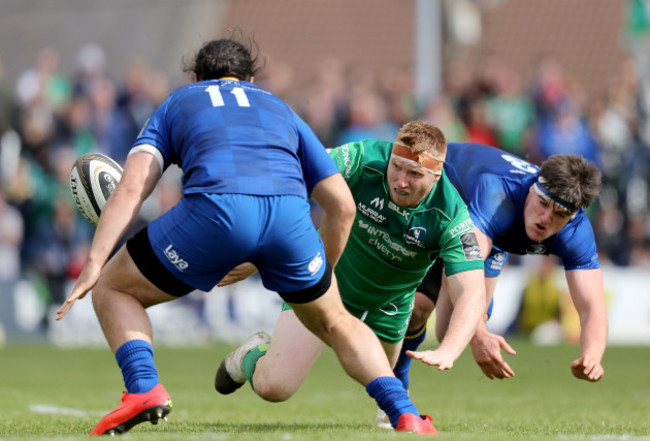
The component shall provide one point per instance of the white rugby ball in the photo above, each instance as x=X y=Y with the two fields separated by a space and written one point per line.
x=93 y=178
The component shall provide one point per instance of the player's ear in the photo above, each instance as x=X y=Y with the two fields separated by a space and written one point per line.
x=251 y=80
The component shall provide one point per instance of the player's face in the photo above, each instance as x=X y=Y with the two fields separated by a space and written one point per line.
x=409 y=184
x=542 y=217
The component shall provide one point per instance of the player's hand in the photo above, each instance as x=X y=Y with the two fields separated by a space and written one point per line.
x=238 y=273
x=85 y=282
x=486 y=348
x=438 y=358
x=585 y=368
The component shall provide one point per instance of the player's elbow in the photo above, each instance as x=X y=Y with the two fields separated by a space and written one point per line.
x=348 y=209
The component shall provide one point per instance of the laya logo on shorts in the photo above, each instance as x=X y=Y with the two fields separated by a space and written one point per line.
x=315 y=264
x=175 y=259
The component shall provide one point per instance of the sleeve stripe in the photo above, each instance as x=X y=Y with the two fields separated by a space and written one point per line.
x=153 y=150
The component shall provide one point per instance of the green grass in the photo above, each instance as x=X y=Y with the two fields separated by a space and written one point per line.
x=59 y=394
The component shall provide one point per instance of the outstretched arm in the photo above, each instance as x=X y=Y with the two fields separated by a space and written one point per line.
x=586 y=288
x=141 y=173
x=468 y=288
x=486 y=346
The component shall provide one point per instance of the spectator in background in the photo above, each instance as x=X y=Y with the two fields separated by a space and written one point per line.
x=511 y=112
x=479 y=129
x=61 y=243
x=440 y=112
x=368 y=118
x=8 y=107
x=11 y=238
x=43 y=85
x=91 y=66
x=566 y=132
x=547 y=88
x=327 y=106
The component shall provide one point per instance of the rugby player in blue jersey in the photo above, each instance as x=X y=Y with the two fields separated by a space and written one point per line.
x=522 y=209
x=249 y=165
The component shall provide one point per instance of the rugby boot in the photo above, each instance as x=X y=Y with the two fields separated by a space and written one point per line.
x=135 y=409
x=382 y=421
x=230 y=375
x=422 y=424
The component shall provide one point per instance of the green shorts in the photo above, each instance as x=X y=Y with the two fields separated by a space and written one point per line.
x=389 y=322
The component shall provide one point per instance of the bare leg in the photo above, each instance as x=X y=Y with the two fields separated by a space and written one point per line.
x=421 y=312
x=289 y=358
x=120 y=298
x=392 y=351
x=354 y=343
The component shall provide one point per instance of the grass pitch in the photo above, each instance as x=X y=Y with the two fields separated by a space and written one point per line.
x=48 y=393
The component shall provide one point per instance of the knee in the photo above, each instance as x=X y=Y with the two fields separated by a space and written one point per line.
x=422 y=309
x=419 y=318
x=98 y=296
x=272 y=392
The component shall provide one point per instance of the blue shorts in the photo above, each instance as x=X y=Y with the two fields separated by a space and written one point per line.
x=204 y=236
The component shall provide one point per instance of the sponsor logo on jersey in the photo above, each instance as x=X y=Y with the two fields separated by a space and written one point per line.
x=175 y=259
x=461 y=228
x=315 y=264
x=378 y=203
x=371 y=213
x=415 y=236
x=344 y=160
x=471 y=248
x=520 y=164
x=536 y=248
x=382 y=241
x=397 y=209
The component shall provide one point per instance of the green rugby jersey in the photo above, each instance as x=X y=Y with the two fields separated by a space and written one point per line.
x=390 y=247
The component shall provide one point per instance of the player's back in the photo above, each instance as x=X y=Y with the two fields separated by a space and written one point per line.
x=231 y=137
x=465 y=163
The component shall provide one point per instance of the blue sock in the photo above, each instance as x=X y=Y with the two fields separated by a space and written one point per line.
x=391 y=397
x=135 y=358
x=411 y=343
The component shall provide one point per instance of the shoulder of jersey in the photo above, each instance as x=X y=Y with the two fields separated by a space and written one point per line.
x=93 y=178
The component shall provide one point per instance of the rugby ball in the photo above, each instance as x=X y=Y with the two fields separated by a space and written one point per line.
x=93 y=178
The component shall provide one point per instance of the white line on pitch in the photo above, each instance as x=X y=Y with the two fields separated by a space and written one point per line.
x=58 y=410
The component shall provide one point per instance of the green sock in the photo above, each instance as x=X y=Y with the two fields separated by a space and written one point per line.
x=250 y=361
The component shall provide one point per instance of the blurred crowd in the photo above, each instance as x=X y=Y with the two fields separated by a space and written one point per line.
x=48 y=119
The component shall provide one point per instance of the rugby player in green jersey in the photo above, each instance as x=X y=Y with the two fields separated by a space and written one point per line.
x=408 y=214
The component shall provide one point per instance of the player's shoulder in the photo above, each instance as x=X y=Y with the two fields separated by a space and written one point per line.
x=444 y=200
x=372 y=154
x=579 y=226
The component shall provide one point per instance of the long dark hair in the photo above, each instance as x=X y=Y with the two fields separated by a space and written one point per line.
x=226 y=57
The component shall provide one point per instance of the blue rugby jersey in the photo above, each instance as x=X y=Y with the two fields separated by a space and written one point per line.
x=233 y=137
x=494 y=184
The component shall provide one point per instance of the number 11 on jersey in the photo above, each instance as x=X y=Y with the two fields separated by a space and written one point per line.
x=217 y=99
